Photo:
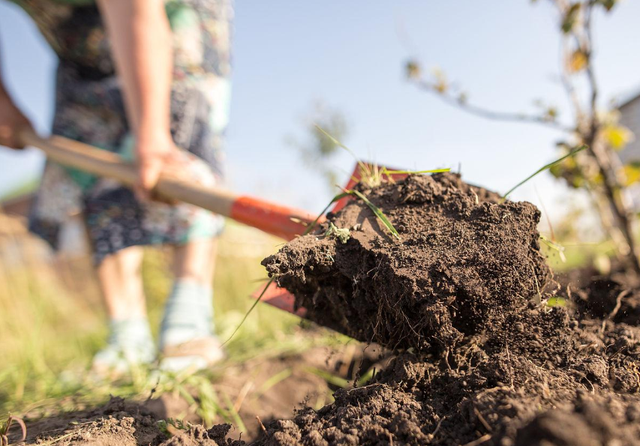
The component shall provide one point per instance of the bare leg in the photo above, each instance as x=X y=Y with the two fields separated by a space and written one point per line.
x=121 y=284
x=130 y=340
x=186 y=337
x=196 y=261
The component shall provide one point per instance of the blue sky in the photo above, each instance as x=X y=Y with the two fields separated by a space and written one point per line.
x=350 y=55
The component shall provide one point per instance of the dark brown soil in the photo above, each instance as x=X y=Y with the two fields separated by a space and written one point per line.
x=270 y=387
x=492 y=363
x=462 y=297
x=495 y=387
x=464 y=261
x=615 y=296
x=122 y=423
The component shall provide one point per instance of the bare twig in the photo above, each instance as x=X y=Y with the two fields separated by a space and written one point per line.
x=615 y=310
x=482 y=420
x=600 y=160
x=479 y=441
x=491 y=114
x=264 y=429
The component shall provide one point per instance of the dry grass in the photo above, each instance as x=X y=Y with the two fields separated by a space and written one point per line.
x=52 y=320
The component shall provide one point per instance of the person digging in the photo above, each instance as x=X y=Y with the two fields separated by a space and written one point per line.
x=147 y=80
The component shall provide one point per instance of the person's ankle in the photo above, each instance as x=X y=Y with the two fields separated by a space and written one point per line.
x=188 y=313
x=129 y=330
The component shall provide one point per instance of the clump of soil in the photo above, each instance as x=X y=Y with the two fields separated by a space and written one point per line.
x=492 y=363
x=463 y=262
x=122 y=423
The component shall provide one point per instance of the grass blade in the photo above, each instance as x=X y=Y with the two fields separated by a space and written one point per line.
x=542 y=169
x=333 y=200
x=275 y=379
x=234 y=413
x=368 y=376
x=370 y=174
x=376 y=210
x=556 y=246
x=330 y=378
x=362 y=165
x=264 y=290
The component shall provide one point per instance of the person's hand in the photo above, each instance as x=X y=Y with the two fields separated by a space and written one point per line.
x=156 y=154
x=12 y=121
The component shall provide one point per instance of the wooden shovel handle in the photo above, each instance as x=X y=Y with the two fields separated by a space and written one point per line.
x=275 y=219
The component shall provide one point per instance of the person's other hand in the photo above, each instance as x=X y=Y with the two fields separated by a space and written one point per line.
x=157 y=154
x=12 y=121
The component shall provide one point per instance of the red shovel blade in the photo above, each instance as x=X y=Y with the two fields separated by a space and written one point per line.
x=283 y=299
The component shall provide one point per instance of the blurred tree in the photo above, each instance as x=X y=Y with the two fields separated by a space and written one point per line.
x=598 y=169
x=317 y=151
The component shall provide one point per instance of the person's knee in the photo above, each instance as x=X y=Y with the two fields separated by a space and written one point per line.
x=195 y=261
x=123 y=264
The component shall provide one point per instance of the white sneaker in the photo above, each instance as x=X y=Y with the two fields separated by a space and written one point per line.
x=129 y=345
x=194 y=355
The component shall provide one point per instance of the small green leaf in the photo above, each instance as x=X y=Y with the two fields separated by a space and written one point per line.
x=412 y=70
x=557 y=302
x=607 y=4
x=570 y=18
x=617 y=136
x=555 y=246
x=632 y=173
x=578 y=61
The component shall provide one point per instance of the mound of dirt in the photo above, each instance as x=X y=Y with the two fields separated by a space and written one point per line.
x=492 y=363
x=463 y=261
x=250 y=384
x=483 y=358
x=122 y=423
x=495 y=387
x=587 y=422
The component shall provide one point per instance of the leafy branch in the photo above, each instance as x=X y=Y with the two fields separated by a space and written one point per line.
x=442 y=89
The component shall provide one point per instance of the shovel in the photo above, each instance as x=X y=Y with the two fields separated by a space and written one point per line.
x=280 y=297
x=281 y=221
